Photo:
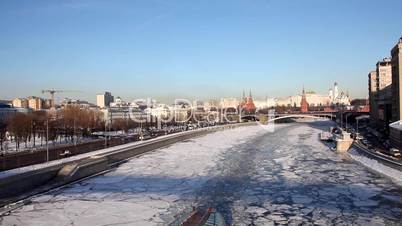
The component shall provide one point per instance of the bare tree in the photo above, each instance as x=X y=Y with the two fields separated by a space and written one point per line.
x=38 y=119
x=122 y=124
x=3 y=130
x=71 y=122
x=17 y=126
x=78 y=122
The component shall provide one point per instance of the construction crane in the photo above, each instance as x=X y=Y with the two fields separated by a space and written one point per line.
x=52 y=92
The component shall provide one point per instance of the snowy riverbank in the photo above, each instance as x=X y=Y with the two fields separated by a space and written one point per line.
x=250 y=175
x=395 y=175
x=140 y=189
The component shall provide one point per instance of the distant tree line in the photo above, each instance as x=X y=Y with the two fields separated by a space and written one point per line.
x=70 y=123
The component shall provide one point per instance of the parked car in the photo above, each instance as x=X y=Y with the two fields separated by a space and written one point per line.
x=395 y=152
x=359 y=137
x=66 y=153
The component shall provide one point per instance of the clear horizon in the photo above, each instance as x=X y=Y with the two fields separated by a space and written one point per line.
x=197 y=49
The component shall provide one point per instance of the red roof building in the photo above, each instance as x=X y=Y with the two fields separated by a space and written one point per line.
x=247 y=105
x=304 y=103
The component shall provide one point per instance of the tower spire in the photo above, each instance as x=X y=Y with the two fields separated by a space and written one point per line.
x=303 y=103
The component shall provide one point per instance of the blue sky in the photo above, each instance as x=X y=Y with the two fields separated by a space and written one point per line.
x=204 y=48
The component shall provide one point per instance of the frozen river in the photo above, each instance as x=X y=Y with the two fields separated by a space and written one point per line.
x=253 y=177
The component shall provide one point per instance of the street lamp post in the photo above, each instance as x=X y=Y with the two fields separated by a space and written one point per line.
x=141 y=135
x=74 y=137
x=47 y=140
x=357 y=121
x=357 y=127
x=341 y=117
x=105 y=135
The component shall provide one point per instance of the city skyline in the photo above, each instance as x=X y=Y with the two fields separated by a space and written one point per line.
x=201 y=112
x=168 y=50
x=63 y=96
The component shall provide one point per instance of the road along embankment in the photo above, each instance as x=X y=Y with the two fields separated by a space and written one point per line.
x=381 y=158
x=19 y=184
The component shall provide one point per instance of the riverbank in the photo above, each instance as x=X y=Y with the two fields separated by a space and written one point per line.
x=249 y=175
x=19 y=184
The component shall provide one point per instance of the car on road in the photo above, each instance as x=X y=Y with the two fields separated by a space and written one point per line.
x=66 y=153
x=359 y=137
x=395 y=152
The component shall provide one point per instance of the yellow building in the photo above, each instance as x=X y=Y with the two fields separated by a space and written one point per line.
x=35 y=103
x=20 y=103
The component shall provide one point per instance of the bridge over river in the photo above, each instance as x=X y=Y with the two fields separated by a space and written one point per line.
x=252 y=176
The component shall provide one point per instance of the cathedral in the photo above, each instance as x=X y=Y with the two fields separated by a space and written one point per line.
x=247 y=105
x=337 y=98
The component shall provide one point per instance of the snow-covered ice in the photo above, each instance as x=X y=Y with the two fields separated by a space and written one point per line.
x=139 y=191
x=89 y=154
x=251 y=176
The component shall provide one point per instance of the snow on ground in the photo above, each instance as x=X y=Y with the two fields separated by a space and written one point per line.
x=396 y=175
x=9 y=146
x=86 y=155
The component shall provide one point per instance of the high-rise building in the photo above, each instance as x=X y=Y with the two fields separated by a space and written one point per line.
x=384 y=79
x=396 y=63
x=383 y=97
x=104 y=100
x=372 y=89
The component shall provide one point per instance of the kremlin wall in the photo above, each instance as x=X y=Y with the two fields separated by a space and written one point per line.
x=335 y=96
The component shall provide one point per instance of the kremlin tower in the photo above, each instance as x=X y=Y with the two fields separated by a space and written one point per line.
x=303 y=103
x=247 y=105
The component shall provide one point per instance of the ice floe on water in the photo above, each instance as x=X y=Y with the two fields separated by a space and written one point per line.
x=251 y=176
x=139 y=191
x=295 y=179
